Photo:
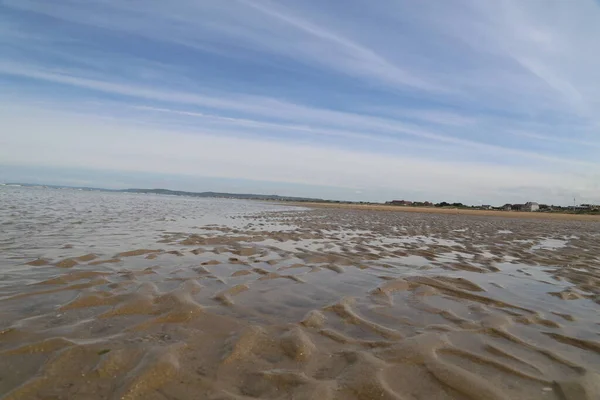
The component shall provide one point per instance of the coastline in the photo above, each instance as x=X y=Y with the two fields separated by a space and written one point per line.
x=455 y=211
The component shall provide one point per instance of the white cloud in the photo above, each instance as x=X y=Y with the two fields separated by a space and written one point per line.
x=553 y=42
x=273 y=108
x=52 y=139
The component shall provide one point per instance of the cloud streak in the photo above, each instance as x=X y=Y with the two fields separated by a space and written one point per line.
x=268 y=107
x=129 y=148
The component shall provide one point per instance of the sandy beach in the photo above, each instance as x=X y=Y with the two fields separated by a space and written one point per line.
x=155 y=297
x=453 y=211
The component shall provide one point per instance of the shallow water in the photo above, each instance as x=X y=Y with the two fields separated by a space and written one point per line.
x=130 y=296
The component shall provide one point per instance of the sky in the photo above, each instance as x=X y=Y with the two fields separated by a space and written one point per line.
x=480 y=102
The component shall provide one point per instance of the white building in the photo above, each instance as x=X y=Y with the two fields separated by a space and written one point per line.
x=530 y=206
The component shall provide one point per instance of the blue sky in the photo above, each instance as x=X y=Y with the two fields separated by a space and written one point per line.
x=472 y=101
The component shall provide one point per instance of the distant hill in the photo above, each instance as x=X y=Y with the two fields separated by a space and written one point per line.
x=58 y=186
x=180 y=193
x=221 y=195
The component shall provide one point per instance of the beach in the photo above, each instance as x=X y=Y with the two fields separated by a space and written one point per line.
x=132 y=296
x=453 y=211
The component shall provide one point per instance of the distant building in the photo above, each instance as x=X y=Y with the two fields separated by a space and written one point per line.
x=530 y=206
x=507 y=207
x=400 y=203
x=585 y=207
x=421 y=204
x=486 y=207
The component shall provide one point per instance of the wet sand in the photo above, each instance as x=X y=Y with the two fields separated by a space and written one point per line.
x=329 y=303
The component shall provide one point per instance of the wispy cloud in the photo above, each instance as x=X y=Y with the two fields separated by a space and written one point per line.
x=117 y=146
x=276 y=109
x=253 y=25
x=497 y=87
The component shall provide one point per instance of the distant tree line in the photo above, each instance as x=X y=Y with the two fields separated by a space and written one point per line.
x=454 y=205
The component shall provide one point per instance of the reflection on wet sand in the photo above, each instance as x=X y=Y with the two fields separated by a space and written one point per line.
x=280 y=303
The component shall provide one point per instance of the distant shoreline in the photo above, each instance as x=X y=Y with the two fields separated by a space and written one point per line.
x=450 y=211
x=320 y=203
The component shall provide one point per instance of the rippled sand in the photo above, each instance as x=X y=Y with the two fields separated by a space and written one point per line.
x=149 y=297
